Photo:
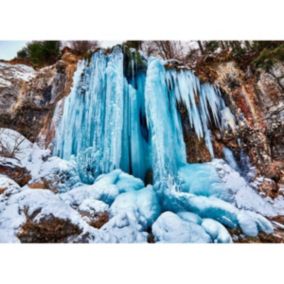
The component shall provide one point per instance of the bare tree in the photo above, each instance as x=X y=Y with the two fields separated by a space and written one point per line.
x=165 y=49
x=82 y=47
x=10 y=148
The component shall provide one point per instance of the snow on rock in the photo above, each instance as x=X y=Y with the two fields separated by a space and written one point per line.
x=94 y=212
x=217 y=231
x=219 y=210
x=123 y=228
x=40 y=216
x=57 y=174
x=170 y=228
x=142 y=203
x=218 y=179
x=93 y=205
x=100 y=191
x=13 y=169
x=252 y=223
x=10 y=72
x=8 y=186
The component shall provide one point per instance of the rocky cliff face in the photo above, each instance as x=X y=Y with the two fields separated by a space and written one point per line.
x=257 y=100
x=28 y=97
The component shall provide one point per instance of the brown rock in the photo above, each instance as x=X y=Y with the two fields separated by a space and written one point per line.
x=48 y=230
x=95 y=219
x=16 y=172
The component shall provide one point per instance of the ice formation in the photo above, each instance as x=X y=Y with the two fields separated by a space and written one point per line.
x=127 y=116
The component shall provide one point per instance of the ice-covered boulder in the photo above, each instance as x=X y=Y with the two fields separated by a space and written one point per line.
x=142 y=203
x=170 y=228
x=217 y=231
x=252 y=223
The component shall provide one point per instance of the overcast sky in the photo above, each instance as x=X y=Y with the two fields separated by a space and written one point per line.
x=9 y=49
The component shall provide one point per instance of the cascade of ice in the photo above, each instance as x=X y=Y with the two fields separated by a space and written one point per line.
x=168 y=149
x=123 y=116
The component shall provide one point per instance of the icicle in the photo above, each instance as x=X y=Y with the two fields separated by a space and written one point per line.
x=168 y=153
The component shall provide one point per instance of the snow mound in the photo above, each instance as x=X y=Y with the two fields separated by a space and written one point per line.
x=170 y=228
x=122 y=228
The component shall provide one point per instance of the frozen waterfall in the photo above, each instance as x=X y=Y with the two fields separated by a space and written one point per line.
x=123 y=113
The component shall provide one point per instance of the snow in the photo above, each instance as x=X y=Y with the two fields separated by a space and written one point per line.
x=217 y=231
x=122 y=228
x=248 y=226
x=170 y=228
x=190 y=217
x=218 y=179
x=143 y=203
x=93 y=205
x=4 y=83
x=16 y=71
x=104 y=192
x=8 y=186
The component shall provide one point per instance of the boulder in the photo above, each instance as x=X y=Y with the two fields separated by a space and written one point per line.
x=13 y=169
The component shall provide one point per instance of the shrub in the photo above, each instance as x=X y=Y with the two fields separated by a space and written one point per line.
x=41 y=53
x=267 y=57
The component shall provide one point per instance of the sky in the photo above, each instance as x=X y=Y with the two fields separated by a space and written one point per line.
x=9 y=49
